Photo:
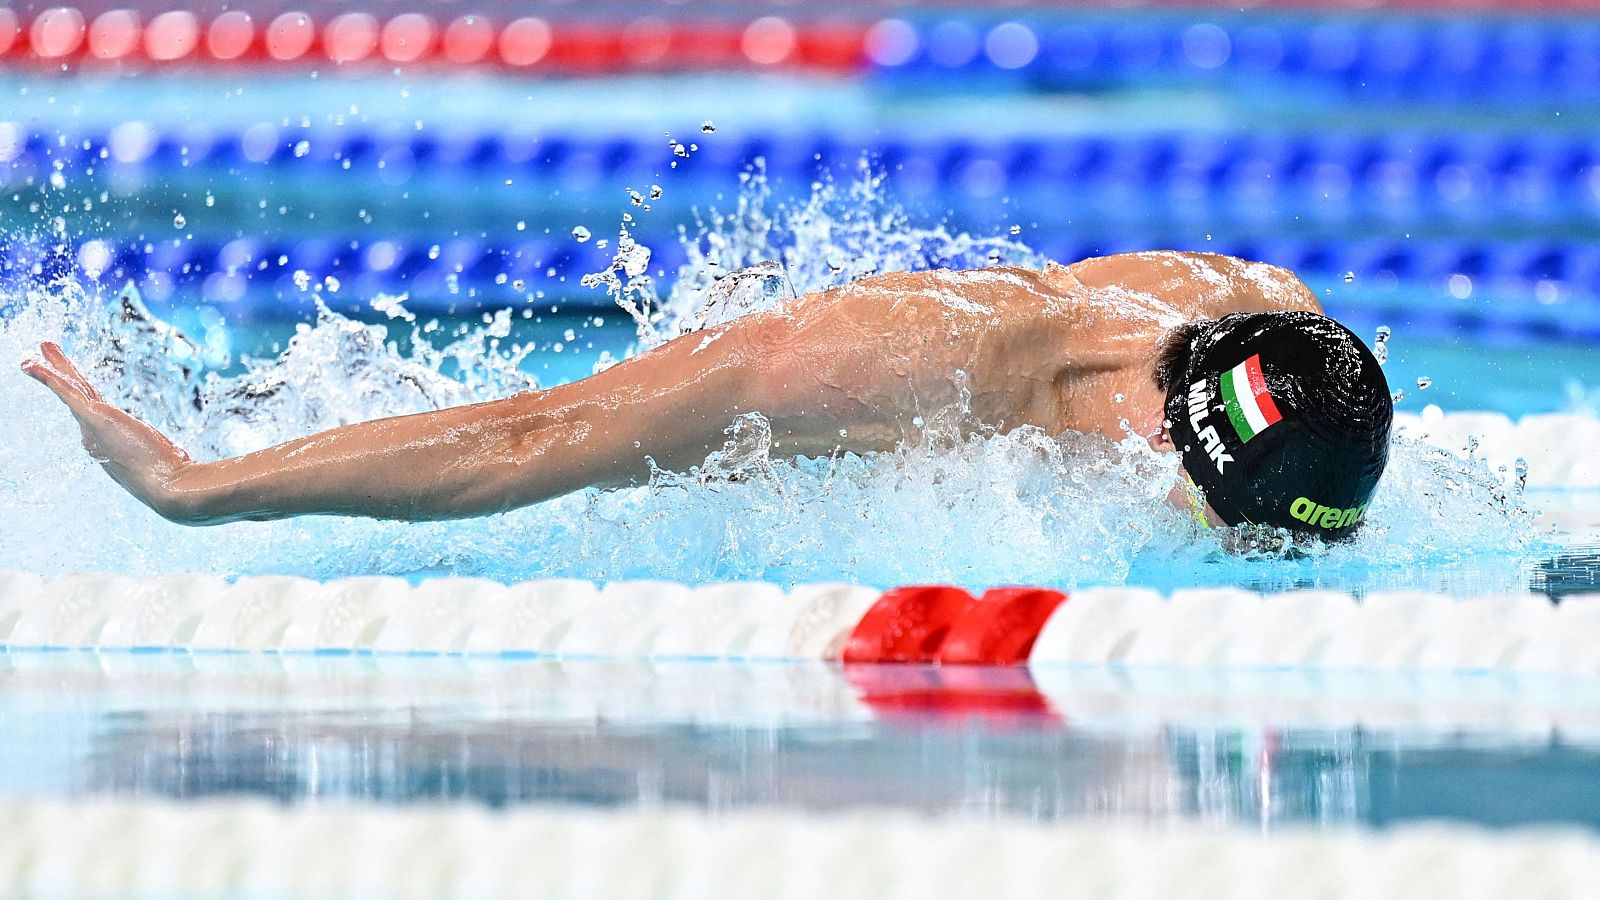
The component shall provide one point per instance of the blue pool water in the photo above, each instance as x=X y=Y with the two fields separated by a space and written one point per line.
x=312 y=248
x=920 y=514
x=792 y=736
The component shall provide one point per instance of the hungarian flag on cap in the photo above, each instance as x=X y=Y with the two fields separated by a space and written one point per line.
x=1250 y=406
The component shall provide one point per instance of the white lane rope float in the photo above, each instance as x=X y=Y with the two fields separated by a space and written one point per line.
x=96 y=849
x=568 y=619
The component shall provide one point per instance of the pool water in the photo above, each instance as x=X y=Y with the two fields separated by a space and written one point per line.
x=1058 y=744
x=245 y=254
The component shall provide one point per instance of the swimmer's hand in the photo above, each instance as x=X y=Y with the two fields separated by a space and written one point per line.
x=135 y=455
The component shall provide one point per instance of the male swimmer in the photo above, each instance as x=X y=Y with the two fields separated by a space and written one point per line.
x=1281 y=415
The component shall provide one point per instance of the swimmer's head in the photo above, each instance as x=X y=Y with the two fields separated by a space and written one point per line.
x=1281 y=419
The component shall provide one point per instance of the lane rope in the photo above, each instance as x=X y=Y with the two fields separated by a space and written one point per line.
x=142 y=848
x=568 y=619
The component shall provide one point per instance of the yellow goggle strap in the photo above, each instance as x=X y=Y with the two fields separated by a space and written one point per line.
x=1197 y=505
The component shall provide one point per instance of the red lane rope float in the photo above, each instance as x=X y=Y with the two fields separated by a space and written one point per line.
x=529 y=43
x=999 y=629
x=115 y=34
x=1332 y=6
x=1004 y=694
x=907 y=624
x=290 y=36
x=172 y=36
x=407 y=37
x=351 y=37
x=56 y=33
x=230 y=36
x=468 y=40
x=943 y=624
x=10 y=30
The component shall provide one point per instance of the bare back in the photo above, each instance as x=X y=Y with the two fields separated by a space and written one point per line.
x=1063 y=348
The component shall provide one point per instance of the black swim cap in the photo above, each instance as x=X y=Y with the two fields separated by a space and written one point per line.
x=1282 y=418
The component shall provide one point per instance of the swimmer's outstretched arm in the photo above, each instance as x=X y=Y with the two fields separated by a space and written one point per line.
x=669 y=405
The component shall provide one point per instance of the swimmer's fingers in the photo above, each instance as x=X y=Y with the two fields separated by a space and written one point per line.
x=67 y=390
x=109 y=434
x=53 y=354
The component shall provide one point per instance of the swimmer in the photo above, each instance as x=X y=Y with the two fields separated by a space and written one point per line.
x=1280 y=415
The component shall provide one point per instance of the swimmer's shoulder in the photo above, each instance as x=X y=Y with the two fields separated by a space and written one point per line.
x=1261 y=287
x=1228 y=283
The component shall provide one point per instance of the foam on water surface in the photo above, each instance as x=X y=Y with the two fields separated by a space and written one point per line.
x=964 y=505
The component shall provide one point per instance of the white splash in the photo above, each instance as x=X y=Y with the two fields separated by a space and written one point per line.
x=974 y=508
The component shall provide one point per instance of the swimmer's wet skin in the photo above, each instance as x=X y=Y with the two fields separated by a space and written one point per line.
x=1280 y=414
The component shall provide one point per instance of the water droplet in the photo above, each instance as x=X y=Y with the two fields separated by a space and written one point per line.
x=1119 y=397
x=636 y=197
x=570 y=335
x=1383 y=333
x=843 y=433
x=1424 y=383
x=1397 y=396
x=707 y=128
x=302 y=279
x=210 y=199
x=580 y=233
x=1208 y=237
x=178 y=221
x=1016 y=229
x=655 y=192
x=1349 y=277
x=302 y=148
x=602 y=243
x=994 y=256
x=332 y=284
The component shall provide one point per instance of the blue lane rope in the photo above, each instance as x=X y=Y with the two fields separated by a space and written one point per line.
x=1528 y=287
x=1379 y=56
x=1394 y=173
